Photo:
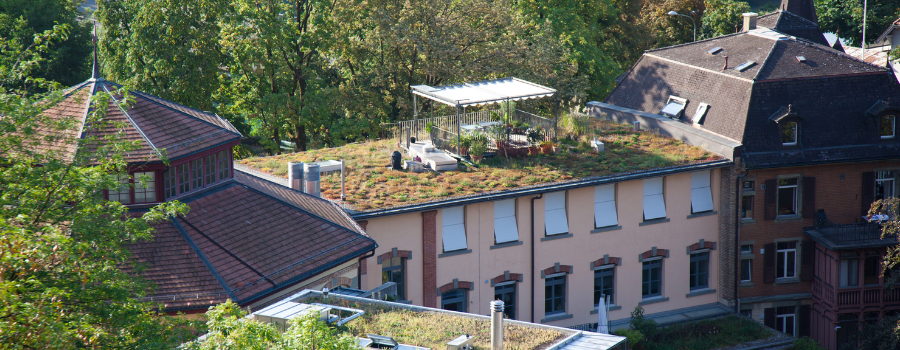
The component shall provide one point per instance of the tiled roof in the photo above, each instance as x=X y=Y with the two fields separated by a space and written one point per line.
x=877 y=57
x=255 y=244
x=792 y=24
x=159 y=127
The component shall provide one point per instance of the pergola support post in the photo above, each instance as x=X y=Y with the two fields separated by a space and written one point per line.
x=458 y=131
x=556 y=120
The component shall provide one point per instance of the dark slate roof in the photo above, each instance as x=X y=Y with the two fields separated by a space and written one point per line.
x=242 y=244
x=792 y=24
x=830 y=92
x=802 y=8
x=159 y=127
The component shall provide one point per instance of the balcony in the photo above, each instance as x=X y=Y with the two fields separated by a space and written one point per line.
x=864 y=297
x=836 y=236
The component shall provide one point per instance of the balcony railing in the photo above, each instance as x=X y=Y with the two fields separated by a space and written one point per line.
x=836 y=236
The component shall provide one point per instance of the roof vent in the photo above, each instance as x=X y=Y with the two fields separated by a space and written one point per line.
x=801 y=59
x=750 y=21
x=744 y=66
x=714 y=50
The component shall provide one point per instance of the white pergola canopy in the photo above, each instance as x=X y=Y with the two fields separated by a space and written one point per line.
x=483 y=92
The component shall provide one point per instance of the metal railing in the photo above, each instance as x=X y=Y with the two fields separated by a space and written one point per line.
x=847 y=233
x=418 y=128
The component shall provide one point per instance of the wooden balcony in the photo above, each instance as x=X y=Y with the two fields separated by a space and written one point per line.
x=869 y=297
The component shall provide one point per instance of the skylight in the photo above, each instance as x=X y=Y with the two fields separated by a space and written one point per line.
x=801 y=59
x=674 y=107
x=714 y=50
x=744 y=66
x=701 y=111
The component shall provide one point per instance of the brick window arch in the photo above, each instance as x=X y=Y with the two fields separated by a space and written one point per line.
x=393 y=269
x=605 y=278
x=455 y=295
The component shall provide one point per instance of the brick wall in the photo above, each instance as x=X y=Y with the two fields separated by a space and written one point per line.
x=429 y=258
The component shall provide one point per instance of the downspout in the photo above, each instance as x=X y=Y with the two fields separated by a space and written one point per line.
x=359 y=267
x=532 y=254
x=737 y=241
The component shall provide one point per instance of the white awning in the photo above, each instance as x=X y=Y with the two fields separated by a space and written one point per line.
x=654 y=202
x=605 y=206
x=483 y=92
x=505 y=228
x=701 y=195
x=555 y=220
x=453 y=228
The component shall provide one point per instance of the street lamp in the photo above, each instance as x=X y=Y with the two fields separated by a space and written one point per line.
x=673 y=13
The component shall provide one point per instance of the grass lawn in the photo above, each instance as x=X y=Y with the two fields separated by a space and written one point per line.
x=707 y=334
x=370 y=185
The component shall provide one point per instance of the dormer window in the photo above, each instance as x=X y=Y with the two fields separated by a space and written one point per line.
x=887 y=127
x=674 y=107
x=132 y=190
x=790 y=131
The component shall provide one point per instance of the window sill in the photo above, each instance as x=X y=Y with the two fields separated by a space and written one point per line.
x=702 y=214
x=506 y=244
x=700 y=292
x=556 y=236
x=606 y=229
x=654 y=221
x=747 y=222
x=653 y=300
x=747 y=284
x=788 y=218
x=783 y=281
x=455 y=252
x=611 y=308
x=748 y=193
x=556 y=317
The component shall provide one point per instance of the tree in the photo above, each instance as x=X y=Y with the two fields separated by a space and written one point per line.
x=723 y=17
x=669 y=30
x=61 y=244
x=66 y=60
x=230 y=329
x=168 y=48
x=845 y=18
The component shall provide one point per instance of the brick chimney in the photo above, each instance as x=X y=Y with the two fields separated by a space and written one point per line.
x=749 y=21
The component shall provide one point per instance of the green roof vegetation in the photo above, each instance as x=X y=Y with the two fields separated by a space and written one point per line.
x=371 y=185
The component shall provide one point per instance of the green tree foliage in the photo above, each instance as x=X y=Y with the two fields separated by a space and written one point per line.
x=229 y=329
x=167 y=48
x=845 y=18
x=723 y=17
x=67 y=60
x=881 y=335
x=61 y=285
x=672 y=30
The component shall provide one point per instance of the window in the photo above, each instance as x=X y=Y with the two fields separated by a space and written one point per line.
x=603 y=284
x=224 y=168
x=169 y=187
x=884 y=184
x=871 y=268
x=787 y=196
x=454 y=228
x=454 y=300
x=394 y=270
x=555 y=220
x=785 y=320
x=197 y=173
x=654 y=203
x=786 y=260
x=507 y=294
x=145 y=191
x=746 y=262
x=748 y=313
x=122 y=193
x=184 y=178
x=674 y=107
x=701 y=194
x=789 y=132
x=555 y=294
x=505 y=229
x=605 y=206
x=651 y=284
x=887 y=127
x=699 y=270
x=748 y=186
x=210 y=161
x=747 y=207
x=849 y=270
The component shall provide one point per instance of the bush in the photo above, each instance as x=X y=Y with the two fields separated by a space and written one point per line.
x=634 y=336
x=806 y=343
x=647 y=327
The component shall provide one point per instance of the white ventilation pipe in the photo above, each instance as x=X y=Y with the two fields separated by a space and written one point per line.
x=311 y=179
x=497 y=325
x=295 y=175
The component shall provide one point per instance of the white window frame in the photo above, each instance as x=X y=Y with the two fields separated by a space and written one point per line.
x=796 y=133
x=555 y=220
x=701 y=192
x=845 y=271
x=746 y=255
x=786 y=251
x=605 y=214
x=796 y=188
x=654 y=199
x=781 y=321
x=893 y=127
x=505 y=228
x=880 y=179
x=453 y=228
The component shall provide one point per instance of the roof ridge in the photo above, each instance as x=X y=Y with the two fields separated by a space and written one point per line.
x=804 y=19
x=694 y=42
x=204 y=259
x=133 y=123
x=700 y=68
x=830 y=50
x=153 y=99
x=766 y=61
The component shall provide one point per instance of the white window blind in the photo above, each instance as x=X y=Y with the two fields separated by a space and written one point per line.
x=453 y=228
x=654 y=203
x=701 y=195
x=605 y=206
x=555 y=221
x=505 y=229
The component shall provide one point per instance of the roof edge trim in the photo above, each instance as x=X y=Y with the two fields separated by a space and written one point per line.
x=203 y=258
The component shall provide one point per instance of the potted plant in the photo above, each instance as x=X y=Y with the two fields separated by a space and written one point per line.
x=465 y=142
x=534 y=136
x=547 y=147
x=479 y=146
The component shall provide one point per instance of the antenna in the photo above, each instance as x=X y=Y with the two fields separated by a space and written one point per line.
x=862 y=53
x=95 y=72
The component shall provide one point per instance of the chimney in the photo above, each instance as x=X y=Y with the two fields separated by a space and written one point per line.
x=295 y=176
x=726 y=63
x=497 y=325
x=749 y=21
x=311 y=179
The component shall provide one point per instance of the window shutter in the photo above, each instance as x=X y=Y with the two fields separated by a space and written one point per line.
x=701 y=195
x=769 y=317
x=771 y=198
x=555 y=221
x=769 y=263
x=804 y=321
x=453 y=228
x=605 y=206
x=808 y=260
x=868 y=191
x=809 y=197
x=505 y=229
x=654 y=202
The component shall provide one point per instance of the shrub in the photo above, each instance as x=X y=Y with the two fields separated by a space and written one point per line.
x=806 y=343
x=647 y=327
x=634 y=336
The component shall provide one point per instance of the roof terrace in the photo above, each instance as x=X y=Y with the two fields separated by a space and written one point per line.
x=371 y=185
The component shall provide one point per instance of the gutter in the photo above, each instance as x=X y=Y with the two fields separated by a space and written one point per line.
x=532 y=255
x=359 y=266
x=540 y=190
x=737 y=241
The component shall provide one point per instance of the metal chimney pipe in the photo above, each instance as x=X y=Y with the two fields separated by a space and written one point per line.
x=311 y=179
x=497 y=325
x=295 y=175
